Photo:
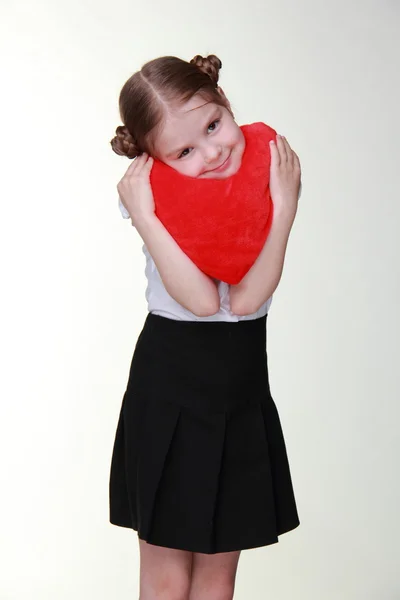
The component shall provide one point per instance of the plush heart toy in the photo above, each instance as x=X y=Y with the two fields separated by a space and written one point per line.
x=221 y=224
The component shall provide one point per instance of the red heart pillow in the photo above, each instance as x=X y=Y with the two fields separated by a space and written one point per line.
x=221 y=224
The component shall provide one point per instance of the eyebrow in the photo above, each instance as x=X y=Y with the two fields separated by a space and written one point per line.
x=215 y=111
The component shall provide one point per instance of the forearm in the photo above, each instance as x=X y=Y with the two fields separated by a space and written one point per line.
x=183 y=280
x=263 y=278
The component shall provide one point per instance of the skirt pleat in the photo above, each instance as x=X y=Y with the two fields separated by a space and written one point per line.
x=199 y=460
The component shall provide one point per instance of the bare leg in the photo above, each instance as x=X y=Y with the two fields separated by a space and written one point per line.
x=213 y=576
x=164 y=572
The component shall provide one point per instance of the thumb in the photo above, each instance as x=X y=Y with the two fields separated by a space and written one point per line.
x=149 y=165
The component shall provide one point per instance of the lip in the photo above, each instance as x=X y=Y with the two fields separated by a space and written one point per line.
x=222 y=167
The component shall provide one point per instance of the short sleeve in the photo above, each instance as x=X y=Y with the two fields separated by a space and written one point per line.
x=123 y=210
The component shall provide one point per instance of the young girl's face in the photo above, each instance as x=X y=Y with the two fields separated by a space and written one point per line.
x=201 y=139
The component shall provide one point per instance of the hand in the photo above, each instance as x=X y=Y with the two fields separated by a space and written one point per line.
x=285 y=177
x=135 y=191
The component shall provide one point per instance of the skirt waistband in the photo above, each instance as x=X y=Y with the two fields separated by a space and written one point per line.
x=218 y=348
x=218 y=327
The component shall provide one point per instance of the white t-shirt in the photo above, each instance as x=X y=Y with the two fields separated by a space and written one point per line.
x=161 y=303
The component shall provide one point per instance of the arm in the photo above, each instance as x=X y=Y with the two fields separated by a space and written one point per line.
x=261 y=281
x=183 y=280
x=263 y=278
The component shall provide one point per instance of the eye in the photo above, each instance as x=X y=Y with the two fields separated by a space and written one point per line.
x=182 y=154
x=214 y=123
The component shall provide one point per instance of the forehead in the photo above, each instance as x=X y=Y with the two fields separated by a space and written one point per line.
x=184 y=121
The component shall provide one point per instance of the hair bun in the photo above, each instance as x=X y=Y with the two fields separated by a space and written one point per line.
x=210 y=65
x=123 y=143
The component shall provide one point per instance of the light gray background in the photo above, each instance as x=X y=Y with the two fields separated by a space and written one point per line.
x=326 y=75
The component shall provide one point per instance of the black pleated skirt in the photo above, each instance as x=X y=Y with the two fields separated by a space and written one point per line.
x=199 y=460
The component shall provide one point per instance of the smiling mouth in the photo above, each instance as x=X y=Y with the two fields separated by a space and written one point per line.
x=221 y=165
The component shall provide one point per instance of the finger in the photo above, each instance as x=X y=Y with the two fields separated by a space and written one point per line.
x=296 y=162
x=148 y=166
x=142 y=160
x=289 y=151
x=281 y=148
x=275 y=156
x=133 y=166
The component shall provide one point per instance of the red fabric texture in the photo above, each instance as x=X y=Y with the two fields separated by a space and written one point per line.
x=221 y=224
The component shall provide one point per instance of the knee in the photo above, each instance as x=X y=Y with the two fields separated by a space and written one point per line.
x=222 y=589
x=223 y=592
x=166 y=586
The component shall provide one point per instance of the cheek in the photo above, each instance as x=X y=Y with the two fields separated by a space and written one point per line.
x=191 y=167
x=235 y=138
x=239 y=142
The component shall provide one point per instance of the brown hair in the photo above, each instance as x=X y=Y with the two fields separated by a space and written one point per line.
x=148 y=93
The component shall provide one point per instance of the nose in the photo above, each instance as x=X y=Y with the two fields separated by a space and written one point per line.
x=212 y=153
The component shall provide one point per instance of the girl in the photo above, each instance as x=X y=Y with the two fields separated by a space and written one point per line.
x=199 y=466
